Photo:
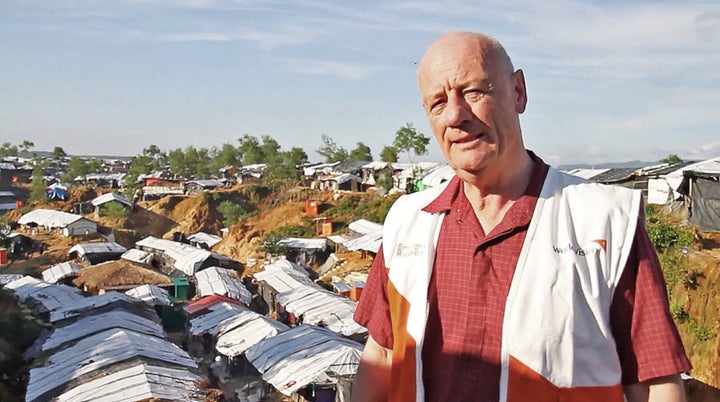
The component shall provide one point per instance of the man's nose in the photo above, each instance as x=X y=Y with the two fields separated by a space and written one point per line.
x=457 y=111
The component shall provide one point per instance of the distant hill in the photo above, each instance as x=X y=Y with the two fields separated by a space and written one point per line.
x=611 y=165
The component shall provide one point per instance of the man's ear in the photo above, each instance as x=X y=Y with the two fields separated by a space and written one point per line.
x=520 y=91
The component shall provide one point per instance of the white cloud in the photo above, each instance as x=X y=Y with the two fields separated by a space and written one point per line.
x=329 y=67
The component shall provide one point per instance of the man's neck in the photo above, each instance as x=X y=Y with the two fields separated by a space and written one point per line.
x=491 y=194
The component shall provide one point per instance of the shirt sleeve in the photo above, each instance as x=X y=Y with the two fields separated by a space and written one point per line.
x=373 y=311
x=647 y=339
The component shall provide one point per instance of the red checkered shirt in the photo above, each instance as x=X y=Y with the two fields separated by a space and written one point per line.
x=470 y=282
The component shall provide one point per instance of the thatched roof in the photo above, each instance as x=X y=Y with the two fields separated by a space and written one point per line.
x=119 y=274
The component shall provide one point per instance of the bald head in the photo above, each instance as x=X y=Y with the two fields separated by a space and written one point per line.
x=484 y=49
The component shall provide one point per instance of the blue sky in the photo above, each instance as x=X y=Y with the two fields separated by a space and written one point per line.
x=608 y=81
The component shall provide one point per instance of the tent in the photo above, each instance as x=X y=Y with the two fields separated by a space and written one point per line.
x=701 y=187
x=57 y=193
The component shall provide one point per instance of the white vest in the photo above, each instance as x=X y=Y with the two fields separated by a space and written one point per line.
x=557 y=341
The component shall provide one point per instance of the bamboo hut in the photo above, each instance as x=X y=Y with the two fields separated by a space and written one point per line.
x=120 y=275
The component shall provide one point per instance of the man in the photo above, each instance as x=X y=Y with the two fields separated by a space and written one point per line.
x=513 y=282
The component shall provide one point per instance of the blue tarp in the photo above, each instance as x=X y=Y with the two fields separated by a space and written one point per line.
x=57 y=194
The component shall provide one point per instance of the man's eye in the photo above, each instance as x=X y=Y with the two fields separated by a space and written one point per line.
x=437 y=106
x=473 y=95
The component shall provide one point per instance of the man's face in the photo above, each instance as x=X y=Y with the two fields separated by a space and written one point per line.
x=472 y=100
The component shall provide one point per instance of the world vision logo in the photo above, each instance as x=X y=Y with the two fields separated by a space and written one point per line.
x=579 y=251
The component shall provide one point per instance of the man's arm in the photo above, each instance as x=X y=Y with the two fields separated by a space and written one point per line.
x=664 y=389
x=373 y=376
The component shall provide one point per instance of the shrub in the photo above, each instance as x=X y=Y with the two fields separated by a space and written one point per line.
x=271 y=244
x=114 y=209
x=233 y=212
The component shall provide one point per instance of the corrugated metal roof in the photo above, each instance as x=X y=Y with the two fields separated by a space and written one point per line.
x=614 y=175
x=107 y=197
x=90 y=303
x=341 y=287
x=49 y=218
x=92 y=324
x=97 y=248
x=304 y=355
x=151 y=294
x=210 y=321
x=207 y=302
x=59 y=271
x=586 y=173
x=244 y=330
x=49 y=297
x=139 y=383
x=97 y=352
x=319 y=306
x=221 y=281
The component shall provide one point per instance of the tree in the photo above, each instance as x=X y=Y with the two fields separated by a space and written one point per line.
x=331 y=151
x=26 y=146
x=227 y=155
x=77 y=167
x=8 y=149
x=250 y=150
x=59 y=152
x=672 y=159
x=389 y=154
x=360 y=153
x=37 y=187
x=408 y=139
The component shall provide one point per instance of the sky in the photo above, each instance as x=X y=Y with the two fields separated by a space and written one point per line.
x=608 y=81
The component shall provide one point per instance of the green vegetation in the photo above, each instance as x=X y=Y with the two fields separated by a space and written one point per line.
x=234 y=212
x=114 y=209
x=271 y=244
x=18 y=331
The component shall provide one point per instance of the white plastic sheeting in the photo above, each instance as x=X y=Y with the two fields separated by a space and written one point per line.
x=221 y=281
x=322 y=307
x=71 y=224
x=107 y=197
x=138 y=383
x=59 y=271
x=364 y=226
x=49 y=297
x=187 y=258
x=370 y=242
x=139 y=256
x=150 y=294
x=204 y=238
x=438 y=175
x=304 y=355
x=586 y=173
x=93 y=324
x=243 y=330
x=97 y=352
x=83 y=249
x=7 y=278
x=282 y=275
x=304 y=243
x=89 y=303
x=211 y=322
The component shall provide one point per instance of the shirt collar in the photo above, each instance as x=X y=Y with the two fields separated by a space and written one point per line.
x=444 y=202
